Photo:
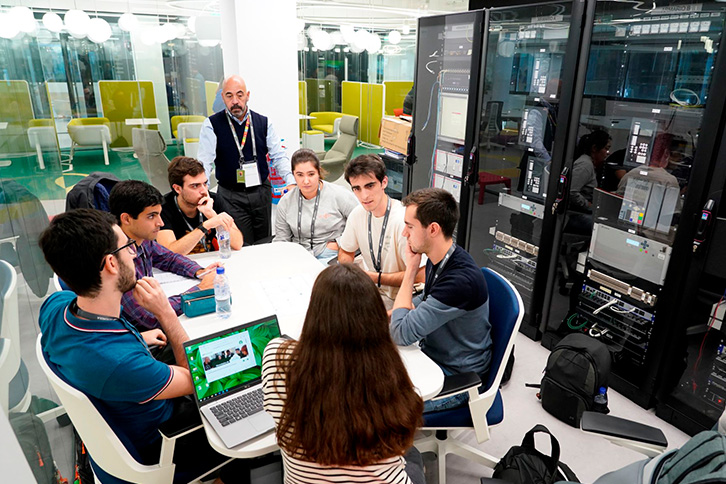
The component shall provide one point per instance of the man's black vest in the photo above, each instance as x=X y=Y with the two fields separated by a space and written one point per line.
x=227 y=156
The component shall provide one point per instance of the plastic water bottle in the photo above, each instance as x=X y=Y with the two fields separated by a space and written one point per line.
x=222 y=294
x=225 y=252
x=601 y=401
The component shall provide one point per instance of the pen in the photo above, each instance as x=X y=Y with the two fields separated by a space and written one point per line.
x=204 y=273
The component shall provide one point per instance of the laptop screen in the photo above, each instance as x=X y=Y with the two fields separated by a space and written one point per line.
x=231 y=359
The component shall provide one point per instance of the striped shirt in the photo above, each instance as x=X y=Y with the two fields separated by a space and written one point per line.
x=297 y=471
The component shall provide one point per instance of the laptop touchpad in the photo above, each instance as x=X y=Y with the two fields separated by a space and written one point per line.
x=261 y=421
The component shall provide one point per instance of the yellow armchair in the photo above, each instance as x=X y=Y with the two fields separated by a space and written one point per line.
x=191 y=118
x=326 y=121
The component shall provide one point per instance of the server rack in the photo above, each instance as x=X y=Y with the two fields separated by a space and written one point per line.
x=650 y=84
x=515 y=136
x=693 y=393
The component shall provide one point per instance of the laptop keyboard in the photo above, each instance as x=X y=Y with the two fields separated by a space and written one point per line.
x=238 y=408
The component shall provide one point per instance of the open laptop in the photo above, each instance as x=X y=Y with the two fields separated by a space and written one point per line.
x=226 y=369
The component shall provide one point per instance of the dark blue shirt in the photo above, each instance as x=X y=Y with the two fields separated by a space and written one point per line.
x=453 y=322
x=108 y=361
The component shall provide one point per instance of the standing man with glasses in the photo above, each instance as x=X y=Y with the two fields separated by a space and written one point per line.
x=137 y=208
x=236 y=143
x=376 y=228
x=191 y=213
x=134 y=392
x=451 y=317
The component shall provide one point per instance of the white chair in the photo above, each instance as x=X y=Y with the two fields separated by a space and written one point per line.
x=103 y=444
x=42 y=137
x=6 y=374
x=506 y=311
x=89 y=132
x=19 y=393
x=189 y=135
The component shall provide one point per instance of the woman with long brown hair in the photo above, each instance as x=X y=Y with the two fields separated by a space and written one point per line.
x=344 y=406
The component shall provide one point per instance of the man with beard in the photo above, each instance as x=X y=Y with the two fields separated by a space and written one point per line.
x=134 y=392
x=137 y=208
x=236 y=142
x=191 y=213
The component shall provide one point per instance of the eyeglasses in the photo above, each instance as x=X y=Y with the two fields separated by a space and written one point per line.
x=130 y=245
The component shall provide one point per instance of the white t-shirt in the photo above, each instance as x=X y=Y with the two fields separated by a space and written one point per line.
x=393 y=254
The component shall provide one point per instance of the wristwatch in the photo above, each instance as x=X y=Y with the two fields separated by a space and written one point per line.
x=204 y=230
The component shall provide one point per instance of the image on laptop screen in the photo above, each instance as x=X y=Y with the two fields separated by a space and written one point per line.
x=224 y=361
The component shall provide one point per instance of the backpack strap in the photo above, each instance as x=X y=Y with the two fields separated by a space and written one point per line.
x=528 y=442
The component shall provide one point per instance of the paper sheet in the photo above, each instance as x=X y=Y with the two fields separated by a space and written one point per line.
x=173 y=284
x=286 y=295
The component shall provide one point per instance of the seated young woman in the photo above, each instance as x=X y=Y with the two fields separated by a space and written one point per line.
x=313 y=214
x=344 y=407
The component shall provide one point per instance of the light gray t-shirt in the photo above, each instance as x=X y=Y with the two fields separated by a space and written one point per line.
x=336 y=203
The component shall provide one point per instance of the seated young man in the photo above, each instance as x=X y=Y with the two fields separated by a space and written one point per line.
x=451 y=317
x=137 y=208
x=191 y=213
x=375 y=227
x=92 y=347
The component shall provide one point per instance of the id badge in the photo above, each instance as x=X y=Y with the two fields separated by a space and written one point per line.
x=250 y=175
x=240 y=175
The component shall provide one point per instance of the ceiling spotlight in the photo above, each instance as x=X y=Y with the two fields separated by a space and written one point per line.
x=348 y=33
x=8 y=28
x=24 y=19
x=406 y=29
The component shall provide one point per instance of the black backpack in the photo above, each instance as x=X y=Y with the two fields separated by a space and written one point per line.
x=33 y=440
x=523 y=464
x=576 y=369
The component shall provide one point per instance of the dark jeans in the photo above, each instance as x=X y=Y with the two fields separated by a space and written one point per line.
x=251 y=210
x=192 y=454
x=414 y=466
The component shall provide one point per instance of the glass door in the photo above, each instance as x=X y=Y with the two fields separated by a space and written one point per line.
x=643 y=117
x=528 y=49
x=446 y=85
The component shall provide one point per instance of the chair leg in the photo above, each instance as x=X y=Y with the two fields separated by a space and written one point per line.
x=41 y=162
x=105 y=152
x=70 y=159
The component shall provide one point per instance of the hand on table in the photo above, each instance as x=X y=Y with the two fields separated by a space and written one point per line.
x=207 y=281
x=150 y=296
x=154 y=337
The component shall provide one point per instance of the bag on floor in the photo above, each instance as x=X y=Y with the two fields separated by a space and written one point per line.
x=576 y=369
x=524 y=464
x=33 y=440
x=701 y=460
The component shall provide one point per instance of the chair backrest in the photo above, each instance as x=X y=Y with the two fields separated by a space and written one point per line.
x=189 y=118
x=149 y=146
x=348 y=137
x=103 y=444
x=9 y=316
x=506 y=311
x=89 y=131
x=188 y=130
x=324 y=117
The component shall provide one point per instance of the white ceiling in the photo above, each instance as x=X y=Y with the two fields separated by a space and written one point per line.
x=363 y=13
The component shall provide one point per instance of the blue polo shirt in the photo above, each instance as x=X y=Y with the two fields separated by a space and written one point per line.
x=108 y=361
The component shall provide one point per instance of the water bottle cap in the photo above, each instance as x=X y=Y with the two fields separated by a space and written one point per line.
x=220 y=270
x=603 y=390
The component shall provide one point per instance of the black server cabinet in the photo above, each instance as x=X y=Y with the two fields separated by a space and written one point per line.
x=502 y=162
x=645 y=135
x=443 y=143
x=693 y=394
x=529 y=76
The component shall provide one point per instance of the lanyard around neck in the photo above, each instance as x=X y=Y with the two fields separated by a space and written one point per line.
x=299 y=215
x=237 y=143
x=186 y=221
x=439 y=270
x=377 y=262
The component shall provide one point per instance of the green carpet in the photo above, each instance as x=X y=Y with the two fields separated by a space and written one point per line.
x=53 y=184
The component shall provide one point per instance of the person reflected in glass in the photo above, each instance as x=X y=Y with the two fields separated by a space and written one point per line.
x=314 y=212
x=590 y=154
x=343 y=404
